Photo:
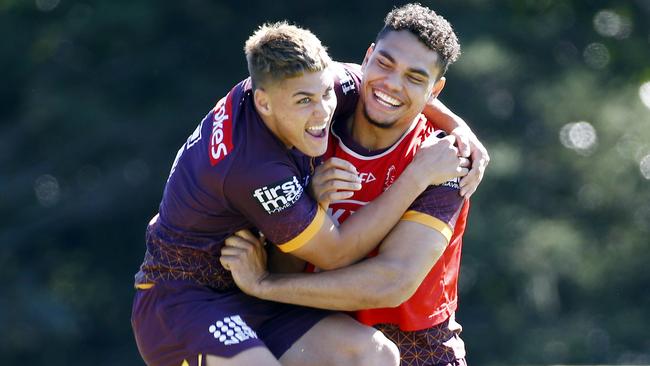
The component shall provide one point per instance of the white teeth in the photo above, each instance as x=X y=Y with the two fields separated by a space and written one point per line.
x=316 y=128
x=387 y=99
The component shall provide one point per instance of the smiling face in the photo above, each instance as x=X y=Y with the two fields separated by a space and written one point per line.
x=400 y=74
x=298 y=110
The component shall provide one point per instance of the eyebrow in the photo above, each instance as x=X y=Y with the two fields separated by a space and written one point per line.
x=419 y=71
x=301 y=92
x=308 y=94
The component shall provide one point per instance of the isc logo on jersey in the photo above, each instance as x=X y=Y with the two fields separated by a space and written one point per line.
x=279 y=196
x=221 y=136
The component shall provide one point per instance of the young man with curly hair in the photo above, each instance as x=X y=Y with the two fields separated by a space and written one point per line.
x=408 y=288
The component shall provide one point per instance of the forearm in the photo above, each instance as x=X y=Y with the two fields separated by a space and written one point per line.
x=363 y=231
x=366 y=285
x=442 y=116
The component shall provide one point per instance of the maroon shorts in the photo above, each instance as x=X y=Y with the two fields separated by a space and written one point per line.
x=177 y=321
x=439 y=345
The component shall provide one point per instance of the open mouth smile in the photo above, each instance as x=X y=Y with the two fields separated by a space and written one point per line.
x=386 y=100
x=317 y=131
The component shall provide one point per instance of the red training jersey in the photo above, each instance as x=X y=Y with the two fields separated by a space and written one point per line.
x=439 y=207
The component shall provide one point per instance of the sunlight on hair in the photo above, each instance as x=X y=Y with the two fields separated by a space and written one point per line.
x=579 y=136
x=644 y=93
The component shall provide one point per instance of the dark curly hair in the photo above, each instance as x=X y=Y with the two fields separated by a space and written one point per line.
x=432 y=30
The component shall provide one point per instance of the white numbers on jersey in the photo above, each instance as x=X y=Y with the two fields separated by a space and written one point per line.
x=193 y=139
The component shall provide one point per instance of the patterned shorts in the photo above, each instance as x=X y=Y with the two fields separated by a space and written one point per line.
x=437 y=346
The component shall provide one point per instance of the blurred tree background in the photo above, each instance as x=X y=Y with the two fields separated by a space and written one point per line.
x=97 y=96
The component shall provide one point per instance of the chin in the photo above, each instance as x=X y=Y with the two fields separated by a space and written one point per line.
x=315 y=151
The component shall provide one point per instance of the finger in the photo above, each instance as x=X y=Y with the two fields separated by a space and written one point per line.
x=226 y=261
x=238 y=242
x=341 y=195
x=468 y=191
x=246 y=235
x=461 y=172
x=462 y=142
x=339 y=185
x=340 y=174
x=232 y=251
x=470 y=177
x=340 y=164
x=465 y=163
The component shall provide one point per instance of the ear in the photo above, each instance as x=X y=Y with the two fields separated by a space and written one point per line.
x=437 y=88
x=367 y=55
x=262 y=101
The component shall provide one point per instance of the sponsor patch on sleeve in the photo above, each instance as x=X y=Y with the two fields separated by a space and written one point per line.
x=279 y=196
x=454 y=183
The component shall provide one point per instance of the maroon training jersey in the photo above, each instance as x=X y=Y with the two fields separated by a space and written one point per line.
x=232 y=173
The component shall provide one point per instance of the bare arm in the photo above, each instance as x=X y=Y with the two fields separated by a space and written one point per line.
x=334 y=247
x=386 y=280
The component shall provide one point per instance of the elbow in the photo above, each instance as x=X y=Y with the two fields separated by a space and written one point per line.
x=396 y=294
x=332 y=263
x=396 y=287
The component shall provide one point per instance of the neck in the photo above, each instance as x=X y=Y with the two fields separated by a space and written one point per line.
x=370 y=136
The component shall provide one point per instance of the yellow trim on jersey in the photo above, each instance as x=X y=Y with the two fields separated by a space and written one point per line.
x=430 y=221
x=185 y=363
x=144 y=286
x=200 y=359
x=305 y=236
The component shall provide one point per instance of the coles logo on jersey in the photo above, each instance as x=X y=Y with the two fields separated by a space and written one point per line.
x=279 y=196
x=221 y=136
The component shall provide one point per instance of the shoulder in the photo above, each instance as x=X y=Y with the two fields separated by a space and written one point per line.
x=347 y=77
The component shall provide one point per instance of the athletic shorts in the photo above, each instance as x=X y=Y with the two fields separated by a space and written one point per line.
x=178 y=322
x=436 y=346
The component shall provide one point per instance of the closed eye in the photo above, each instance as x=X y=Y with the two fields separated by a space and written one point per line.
x=383 y=63
x=415 y=79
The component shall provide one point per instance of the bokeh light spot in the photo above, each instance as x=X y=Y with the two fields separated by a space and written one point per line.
x=47 y=190
x=644 y=93
x=47 y=5
x=596 y=55
x=610 y=24
x=579 y=136
x=644 y=166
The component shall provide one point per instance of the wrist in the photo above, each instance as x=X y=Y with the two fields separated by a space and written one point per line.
x=412 y=177
x=261 y=287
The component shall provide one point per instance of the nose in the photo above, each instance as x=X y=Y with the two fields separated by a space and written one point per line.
x=392 y=81
x=321 y=110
